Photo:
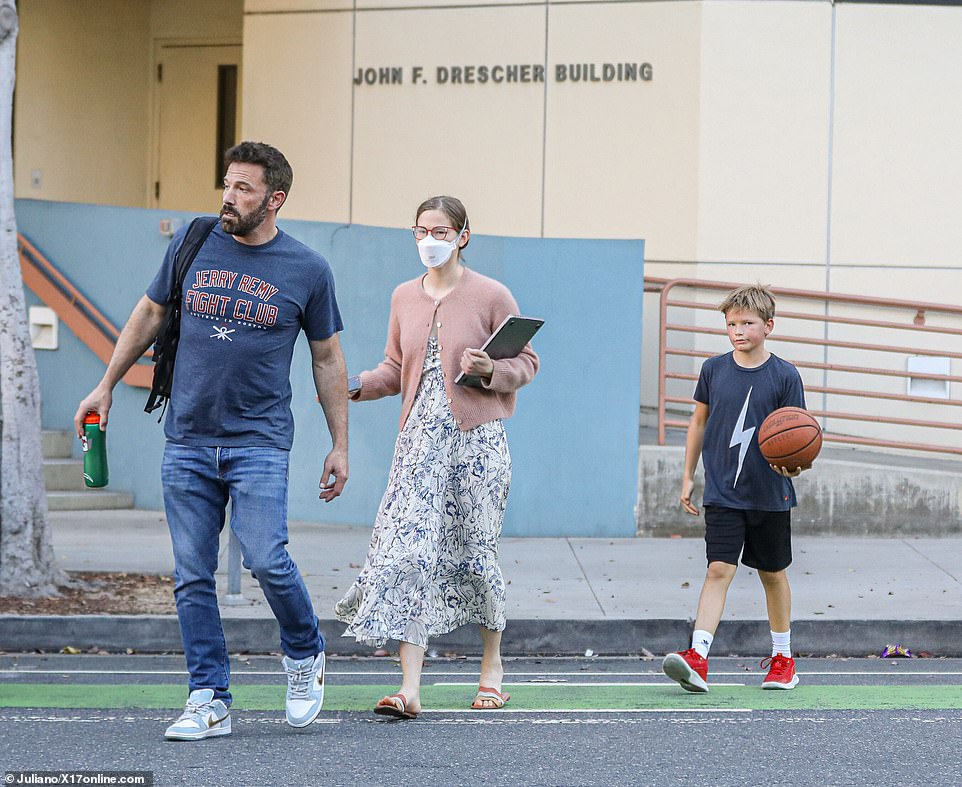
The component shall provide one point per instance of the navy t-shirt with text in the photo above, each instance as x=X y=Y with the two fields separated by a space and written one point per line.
x=739 y=399
x=243 y=308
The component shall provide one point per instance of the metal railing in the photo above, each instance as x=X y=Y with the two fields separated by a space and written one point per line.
x=881 y=332
x=75 y=310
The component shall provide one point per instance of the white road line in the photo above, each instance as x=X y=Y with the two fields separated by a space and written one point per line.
x=554 y=711
x=545 y=677
x=473 y=718
x=565 y=685
x=141 y=719
x=908 y=673
x=107 y=672
x=473 y=714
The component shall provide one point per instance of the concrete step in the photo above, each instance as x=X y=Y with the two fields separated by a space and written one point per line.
x=63 y=475
x=88 y=500
x=64 y=481
x=57 y=444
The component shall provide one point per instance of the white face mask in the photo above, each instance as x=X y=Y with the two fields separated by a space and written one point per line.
x=434 y=253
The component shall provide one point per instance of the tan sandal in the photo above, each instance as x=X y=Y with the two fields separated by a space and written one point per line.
x=486 y=694
x=395 y=706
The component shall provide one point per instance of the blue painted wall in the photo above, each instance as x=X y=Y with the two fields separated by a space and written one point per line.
x=574 y=435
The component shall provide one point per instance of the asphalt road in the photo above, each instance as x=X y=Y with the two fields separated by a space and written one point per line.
x=582 y=721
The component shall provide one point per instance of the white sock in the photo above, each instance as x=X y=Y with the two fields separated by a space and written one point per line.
x=701 y=642
x=782 y=643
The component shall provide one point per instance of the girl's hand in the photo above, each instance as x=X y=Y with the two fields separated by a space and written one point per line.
x=477 y=363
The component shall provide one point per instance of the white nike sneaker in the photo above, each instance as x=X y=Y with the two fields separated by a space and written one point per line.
x=305 y=689
x=203 y=717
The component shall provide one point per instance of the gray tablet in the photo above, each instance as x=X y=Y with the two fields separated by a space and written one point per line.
x=507 y=341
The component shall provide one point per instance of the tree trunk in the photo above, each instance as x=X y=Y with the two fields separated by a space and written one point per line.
x=27 y=565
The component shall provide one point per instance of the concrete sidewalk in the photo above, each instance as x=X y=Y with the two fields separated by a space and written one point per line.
x=852 y=596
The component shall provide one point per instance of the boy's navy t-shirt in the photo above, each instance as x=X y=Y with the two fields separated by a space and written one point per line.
x=242 y=310
x=739 y=399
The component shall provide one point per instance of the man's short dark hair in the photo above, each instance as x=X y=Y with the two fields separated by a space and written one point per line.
x=277 y=171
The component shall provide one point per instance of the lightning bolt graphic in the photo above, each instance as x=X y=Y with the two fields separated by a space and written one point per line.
x=741 y=436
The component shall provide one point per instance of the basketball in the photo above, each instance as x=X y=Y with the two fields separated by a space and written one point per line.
x=790 y=437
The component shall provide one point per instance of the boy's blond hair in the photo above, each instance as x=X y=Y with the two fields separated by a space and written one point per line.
x=752 y=298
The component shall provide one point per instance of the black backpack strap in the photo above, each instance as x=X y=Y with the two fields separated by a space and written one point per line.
x=165 y=347
x=196 y=235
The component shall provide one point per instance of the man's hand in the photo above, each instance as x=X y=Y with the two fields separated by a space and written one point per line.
x=137 y=335
x=98 y=401
x=334 y=465
x=687 y=489
x=330 y=382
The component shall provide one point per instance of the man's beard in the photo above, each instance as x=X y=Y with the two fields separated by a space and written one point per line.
x=233 y=223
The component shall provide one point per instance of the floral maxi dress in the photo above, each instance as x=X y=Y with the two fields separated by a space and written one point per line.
x=432 y=565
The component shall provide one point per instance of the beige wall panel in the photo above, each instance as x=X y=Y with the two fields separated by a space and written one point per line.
x=480 y=142
x=190 y=19
x=301 y=6
x=929 y=285
x=897 y=161
x=764 y=132
x=86 y=137
x=294 y=6
x=803 y=277
x=297 y=96
x=419 y=4
x=622 y=157
x=670 y=270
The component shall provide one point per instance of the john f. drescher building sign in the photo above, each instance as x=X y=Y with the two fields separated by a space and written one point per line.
x=504 y=73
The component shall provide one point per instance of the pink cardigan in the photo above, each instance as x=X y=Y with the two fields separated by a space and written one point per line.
x=466 y=316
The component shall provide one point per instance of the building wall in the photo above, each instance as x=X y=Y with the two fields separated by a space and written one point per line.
x=801 y=143
x=301 y=107
x=83 y=104
x=758 y=139
x=111 y=255
x=815 y=136
x=764 y=133
x=80 y=121
x=530 y=158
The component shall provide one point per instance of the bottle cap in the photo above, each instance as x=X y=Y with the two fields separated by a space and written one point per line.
x=92 y=418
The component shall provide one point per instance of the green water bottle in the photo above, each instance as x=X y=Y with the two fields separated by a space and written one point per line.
x=94 y=443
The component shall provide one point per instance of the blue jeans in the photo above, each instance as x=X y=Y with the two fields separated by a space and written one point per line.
x=198 y=481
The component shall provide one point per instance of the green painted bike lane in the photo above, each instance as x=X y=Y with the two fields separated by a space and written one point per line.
x=346 y=697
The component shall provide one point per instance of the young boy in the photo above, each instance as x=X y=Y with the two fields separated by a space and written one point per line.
x=747 y=501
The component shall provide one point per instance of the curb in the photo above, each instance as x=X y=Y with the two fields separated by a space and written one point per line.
x=161 y=633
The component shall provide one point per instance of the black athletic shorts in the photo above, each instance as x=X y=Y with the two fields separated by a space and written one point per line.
x=763 y=539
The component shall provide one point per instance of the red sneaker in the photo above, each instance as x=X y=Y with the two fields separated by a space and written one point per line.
x=689 y=668
x=781 y=674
